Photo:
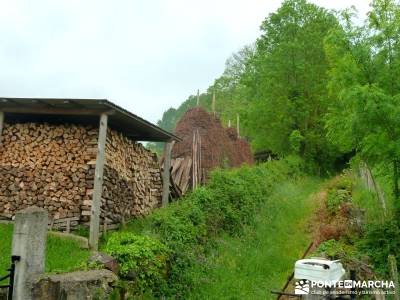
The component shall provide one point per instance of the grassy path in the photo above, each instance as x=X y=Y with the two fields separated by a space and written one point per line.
x=261 y=260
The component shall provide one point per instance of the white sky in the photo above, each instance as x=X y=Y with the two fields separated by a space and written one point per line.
x=145 y=56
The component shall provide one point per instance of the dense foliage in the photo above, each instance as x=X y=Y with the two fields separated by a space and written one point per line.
x=140 y=258
x=380 y=241
x=364 y=87
x=249 y=266
x=317 y=84
x=324 y=86
x=162 y=248
x=363 y=244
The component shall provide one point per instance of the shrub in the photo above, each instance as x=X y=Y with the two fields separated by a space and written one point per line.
x=340 y=218
x=182 y=228
x=180 y=233
x=333 y=249
x=336 y=198
x=143 y=259
x=339 y=192
x=379 y=241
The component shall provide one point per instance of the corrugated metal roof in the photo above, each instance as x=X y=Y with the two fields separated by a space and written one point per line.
x=82 y=111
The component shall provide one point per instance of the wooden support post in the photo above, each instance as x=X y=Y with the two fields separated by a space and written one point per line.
x=166 y=172
x=238 y=125
x=98 y=184
x=68 y=226
x=1 y=123
x=213 y=103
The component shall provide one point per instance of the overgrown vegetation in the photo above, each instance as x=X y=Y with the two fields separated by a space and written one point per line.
x=324 y=86
x=318 y=84
x=349 y=233
x=262 y=259
x=179 y=237
x=142 y=259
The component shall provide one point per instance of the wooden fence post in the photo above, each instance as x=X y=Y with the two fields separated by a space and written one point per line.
x=238 y=125
x=29 y=243
x=166 y=173
x=213 y=103
x=98 y=184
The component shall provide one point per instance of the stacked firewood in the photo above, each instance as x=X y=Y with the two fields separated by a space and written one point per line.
x=46 y=165
x=132 y=179
x=53 y=166
x=180 y=175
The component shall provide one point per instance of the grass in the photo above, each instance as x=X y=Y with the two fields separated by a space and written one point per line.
x=369 y=202
x=62 y=255
x=251 y=266
x=5 y=247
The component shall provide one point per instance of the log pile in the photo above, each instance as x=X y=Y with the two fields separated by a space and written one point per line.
x=47 y=166
x=180 y=173
x=132 y=180
x=52 y=166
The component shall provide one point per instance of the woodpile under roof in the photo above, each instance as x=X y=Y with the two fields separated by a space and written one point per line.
x=53 y=166
x=79 y=159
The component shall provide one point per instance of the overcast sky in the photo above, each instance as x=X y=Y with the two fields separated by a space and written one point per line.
x=145 y=56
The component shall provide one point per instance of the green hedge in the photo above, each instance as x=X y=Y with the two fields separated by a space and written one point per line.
x=186 y=228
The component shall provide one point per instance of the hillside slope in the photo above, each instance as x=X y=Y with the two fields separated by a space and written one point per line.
x=251 y=266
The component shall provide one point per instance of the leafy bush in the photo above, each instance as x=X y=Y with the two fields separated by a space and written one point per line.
x=142 y=258
x=339 y=192
x=180 y=233
x=182 y=228
x=335 y=199
x=333 y=249
x=379 y=241
x=295 y=140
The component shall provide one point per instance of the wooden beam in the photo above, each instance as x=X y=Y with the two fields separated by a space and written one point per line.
x=213 y=103
x=166 y=172
x=47 y=110
x=238 y=125
x=1 y=124
x=98 y=184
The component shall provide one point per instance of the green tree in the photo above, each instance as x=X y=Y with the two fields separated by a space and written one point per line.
x=364 y=87
x=228 y=89
x=287 y=82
